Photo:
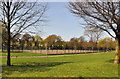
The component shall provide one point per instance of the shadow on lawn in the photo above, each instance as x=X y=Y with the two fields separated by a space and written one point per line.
x=30 y=67
x=110 y=61
x=60 y=78
x=13 y=52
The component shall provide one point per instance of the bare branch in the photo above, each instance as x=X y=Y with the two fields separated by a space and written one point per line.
x=103 y=15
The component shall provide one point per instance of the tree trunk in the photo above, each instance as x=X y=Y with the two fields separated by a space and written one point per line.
x=117 y=52
x=8 y=50
x=8 y=26
x=2 y=48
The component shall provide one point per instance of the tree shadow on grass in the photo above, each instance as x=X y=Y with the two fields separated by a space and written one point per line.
x=110 y=61
x=12 y=52
x=60 y=78
x=30 y=67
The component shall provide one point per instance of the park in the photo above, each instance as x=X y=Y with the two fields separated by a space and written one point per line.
x=59 y=39
x=70 y=65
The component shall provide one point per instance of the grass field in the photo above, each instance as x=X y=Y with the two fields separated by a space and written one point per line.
x=79 y=65
x=22 y=54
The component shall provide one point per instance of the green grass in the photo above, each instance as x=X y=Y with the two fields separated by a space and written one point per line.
x=22 y=54
x=89 y=65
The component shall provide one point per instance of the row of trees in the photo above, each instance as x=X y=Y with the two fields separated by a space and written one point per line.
x=29 y=42
x=16 y=17
x=102 y=15
x=19 y=16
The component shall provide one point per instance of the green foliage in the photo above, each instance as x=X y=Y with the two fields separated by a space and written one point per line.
x=106 y=43
x=53 y=40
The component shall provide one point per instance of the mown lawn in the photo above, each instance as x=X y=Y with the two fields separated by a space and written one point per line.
x=80 y=65
x=22 y=54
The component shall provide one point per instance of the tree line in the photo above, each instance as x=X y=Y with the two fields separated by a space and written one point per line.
x=100 y=15
x=54 y=42
x=18 y=17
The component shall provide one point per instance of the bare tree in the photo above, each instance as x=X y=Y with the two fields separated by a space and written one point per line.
x=81 y=39
x=93 y=34
x=102 y=15
x=19 y=16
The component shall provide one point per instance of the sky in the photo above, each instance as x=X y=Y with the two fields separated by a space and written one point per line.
x=61 y=22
